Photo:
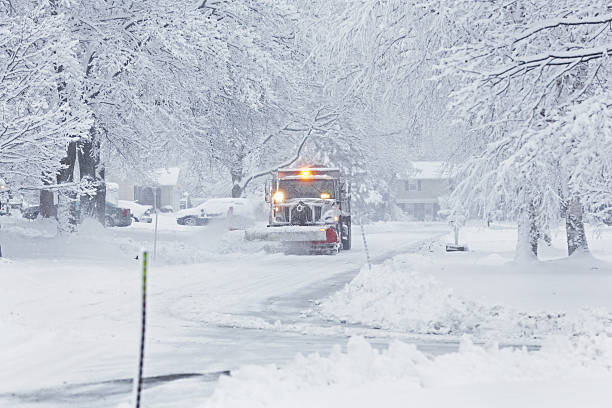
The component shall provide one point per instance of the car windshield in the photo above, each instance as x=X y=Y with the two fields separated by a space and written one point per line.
x=306 y=188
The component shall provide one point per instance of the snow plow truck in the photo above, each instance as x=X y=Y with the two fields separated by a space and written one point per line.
x=309 y=211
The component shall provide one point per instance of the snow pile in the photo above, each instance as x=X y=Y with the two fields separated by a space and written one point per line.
x=402 y=374
x=40 y=228
x=396 y=296
x=24 y=239
x=21 y=238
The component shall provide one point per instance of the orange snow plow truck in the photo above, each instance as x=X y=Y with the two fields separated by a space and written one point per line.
x=310 y=211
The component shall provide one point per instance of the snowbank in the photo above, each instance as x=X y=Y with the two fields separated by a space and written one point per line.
x=564 y=373
x=397 y=295
x=22 y=239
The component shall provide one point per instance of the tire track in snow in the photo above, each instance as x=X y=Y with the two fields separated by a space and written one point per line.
x=277 y=312
x=94 y=392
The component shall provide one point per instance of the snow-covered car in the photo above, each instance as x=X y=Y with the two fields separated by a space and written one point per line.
x=116 y=216
x=166 y=209
x=147 y=217
x=31 y=213
x=239 y=210
x=140 y=212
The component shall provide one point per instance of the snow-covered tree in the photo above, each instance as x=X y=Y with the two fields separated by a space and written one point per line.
x=268 y=108
x=138 y=64
x=375 y=59
x=41 y=106
x=526 y=71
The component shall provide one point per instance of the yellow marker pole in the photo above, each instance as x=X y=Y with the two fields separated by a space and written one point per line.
x=137 y=383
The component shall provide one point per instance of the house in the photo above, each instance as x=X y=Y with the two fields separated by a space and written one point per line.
x=418 y=191
x=161 y=190
x=160 y=187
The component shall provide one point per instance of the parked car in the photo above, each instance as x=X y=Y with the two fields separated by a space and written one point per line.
x=114 y=216
x=140 y=213
x=31 y=213
x=145 y=217
x=16 y=203
x=117 y=216
x=166 y=209
x=215 y=209
x=192 y=216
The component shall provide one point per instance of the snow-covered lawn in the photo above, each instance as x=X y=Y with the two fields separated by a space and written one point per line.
x=68 y=311
x=68 y=319
x=483 y=292
x=562 y=305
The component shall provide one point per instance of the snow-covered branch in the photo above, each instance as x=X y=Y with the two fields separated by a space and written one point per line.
x=547 y=25
x=527 y=63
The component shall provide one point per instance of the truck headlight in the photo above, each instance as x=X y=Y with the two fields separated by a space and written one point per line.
x=279 y=197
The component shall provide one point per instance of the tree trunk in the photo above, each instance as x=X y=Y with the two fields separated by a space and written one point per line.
x=46 y=204
x=236 y=174
x=66 y=211
x=236 y=191
x=92 y=170
x=528 y=234
x=101 y=194
x=574 y=227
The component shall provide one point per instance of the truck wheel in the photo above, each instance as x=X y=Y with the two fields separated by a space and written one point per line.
x=346 y=235
x=108 y=221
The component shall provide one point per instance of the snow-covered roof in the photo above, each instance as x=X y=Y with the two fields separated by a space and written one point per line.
x=166 y=176
x=427 y=170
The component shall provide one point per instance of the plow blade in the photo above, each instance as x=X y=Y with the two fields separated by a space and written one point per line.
x=287 y=234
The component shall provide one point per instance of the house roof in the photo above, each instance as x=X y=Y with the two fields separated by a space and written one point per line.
x=427 y=170
x=166 y=176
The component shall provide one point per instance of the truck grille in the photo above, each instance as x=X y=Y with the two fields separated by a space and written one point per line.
x=317 y=213
x=301 y=214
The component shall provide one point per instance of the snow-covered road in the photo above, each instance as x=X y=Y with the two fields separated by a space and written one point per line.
x=69 y=311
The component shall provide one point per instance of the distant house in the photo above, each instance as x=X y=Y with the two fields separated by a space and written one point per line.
x=160 y=187
x=418 y=191
x=161 y=190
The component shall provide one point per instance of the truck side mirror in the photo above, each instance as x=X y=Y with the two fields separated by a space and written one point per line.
x=345 y=190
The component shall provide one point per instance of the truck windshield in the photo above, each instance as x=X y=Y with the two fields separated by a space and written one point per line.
x=307 y=188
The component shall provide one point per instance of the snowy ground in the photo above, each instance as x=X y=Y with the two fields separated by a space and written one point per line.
x=562 y=374
x=483 y=292
x=68 y=318
x=562 y=305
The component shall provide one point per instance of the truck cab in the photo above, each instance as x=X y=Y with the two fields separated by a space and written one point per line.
x=311 y=198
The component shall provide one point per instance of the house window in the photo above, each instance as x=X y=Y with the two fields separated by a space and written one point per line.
x=412 y=185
